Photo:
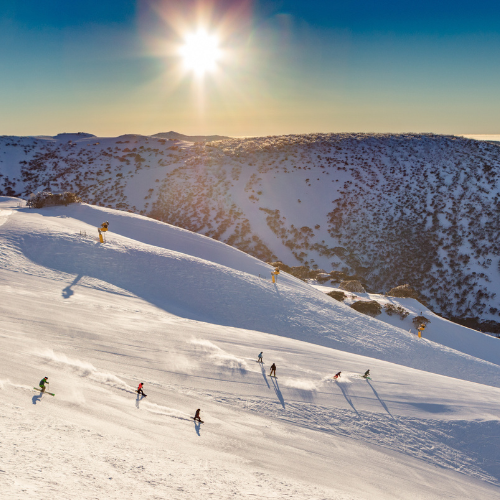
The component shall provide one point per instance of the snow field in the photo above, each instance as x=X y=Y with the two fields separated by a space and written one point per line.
x=407 y=433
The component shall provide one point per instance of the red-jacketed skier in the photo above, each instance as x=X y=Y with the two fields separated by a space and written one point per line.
x=139 y=389
x=337 y=375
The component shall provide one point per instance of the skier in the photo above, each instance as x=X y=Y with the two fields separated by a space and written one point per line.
x=273 y=370
x=139 y=389
x=336 y=376
x=367 y=374
x=45 y=380
x=260 y=358
x=197 y=416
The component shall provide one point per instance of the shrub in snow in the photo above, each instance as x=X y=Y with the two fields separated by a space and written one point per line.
x=371 y=307
x=403 y=291
x=301 y=272
x=337 y=295
x=352 y=286
x=322 y=277
x=391 y=309
x=420 y=320
x=47 y=199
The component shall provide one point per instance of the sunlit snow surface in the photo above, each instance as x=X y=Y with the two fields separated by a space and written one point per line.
x=187 y=316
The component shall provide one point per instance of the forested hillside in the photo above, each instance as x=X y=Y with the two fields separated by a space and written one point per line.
x=421 y=209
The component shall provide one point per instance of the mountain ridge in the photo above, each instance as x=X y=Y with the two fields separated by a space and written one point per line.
x=390 y=208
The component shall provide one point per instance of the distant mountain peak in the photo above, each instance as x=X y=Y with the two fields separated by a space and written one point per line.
x=73 y=136
x=189 y=138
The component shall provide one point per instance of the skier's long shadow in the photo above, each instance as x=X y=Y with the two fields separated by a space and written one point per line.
x=278 y=392
x=264 y=374
x=138 y=400
x=197 y=426
x=380 y=401
x=347 y=397
x=67 y=292
x=36 y=398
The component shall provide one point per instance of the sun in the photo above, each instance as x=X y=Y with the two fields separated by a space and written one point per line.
x=200 y=52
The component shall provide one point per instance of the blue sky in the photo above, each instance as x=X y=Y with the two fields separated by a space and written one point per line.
x=112 y=67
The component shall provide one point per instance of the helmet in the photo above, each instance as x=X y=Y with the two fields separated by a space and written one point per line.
x=45 y=378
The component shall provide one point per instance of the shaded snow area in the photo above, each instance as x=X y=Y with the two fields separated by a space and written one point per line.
x=187 y=316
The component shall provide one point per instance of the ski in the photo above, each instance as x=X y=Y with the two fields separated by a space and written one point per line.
x=43 y=392
x=274 y=376
x=198 y=420
x=366 y=377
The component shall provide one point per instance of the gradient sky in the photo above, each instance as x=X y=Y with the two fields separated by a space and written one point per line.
x=111 y=67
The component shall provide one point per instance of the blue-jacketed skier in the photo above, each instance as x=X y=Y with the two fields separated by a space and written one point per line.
x=260 y=358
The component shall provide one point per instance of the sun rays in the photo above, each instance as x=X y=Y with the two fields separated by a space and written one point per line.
x=200 y=52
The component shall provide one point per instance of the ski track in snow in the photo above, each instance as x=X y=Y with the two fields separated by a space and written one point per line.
x=101 y=466
x=433 y=441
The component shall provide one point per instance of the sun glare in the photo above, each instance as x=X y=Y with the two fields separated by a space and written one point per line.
x=200 y=52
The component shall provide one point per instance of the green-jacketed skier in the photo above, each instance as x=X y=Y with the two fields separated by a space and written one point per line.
x=45 y=380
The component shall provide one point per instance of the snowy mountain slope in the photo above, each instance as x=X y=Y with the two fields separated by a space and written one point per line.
x=310 y=448
x=439 y=329
x=217 y=292
x=406 y=433
x=391 y=209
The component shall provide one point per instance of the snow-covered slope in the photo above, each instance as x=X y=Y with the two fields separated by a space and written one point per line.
x=187 y=316
x=198 y=278
x=390 y=209
x=439 y=329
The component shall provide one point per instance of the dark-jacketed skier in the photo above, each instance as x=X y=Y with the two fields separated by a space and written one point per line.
x=367 y=374
x=197 y=415
x=273 y=370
